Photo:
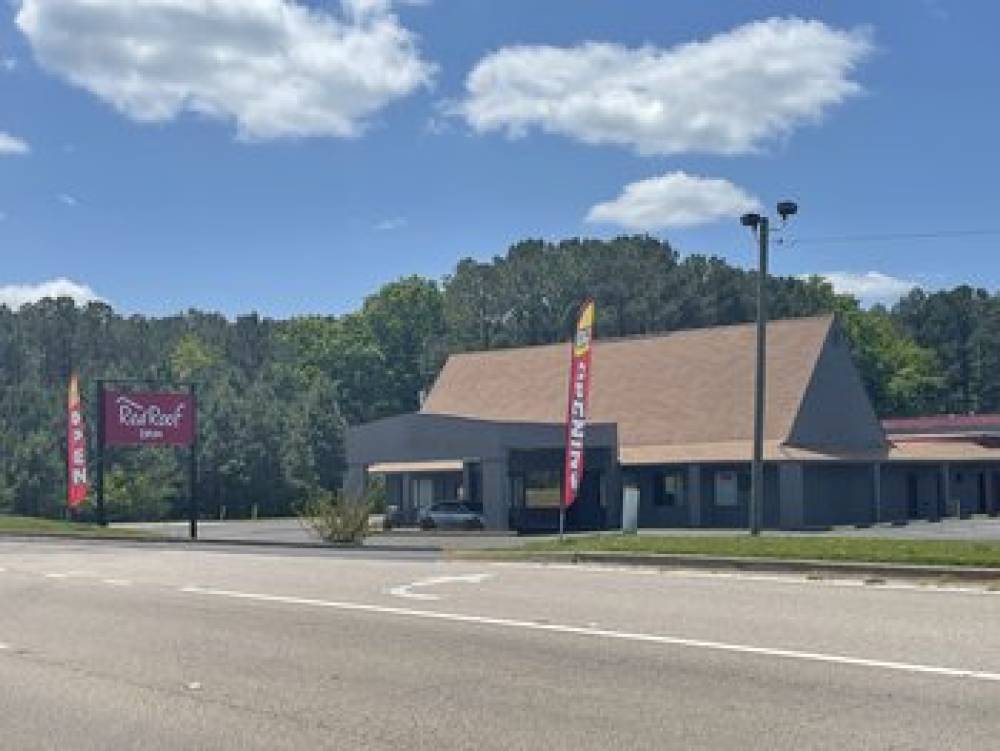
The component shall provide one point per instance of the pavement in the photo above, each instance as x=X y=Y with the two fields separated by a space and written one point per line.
x=115 y=645
x=292 y=532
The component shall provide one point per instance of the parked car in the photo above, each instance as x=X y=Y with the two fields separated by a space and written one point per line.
x=393 y=518
x=451 y=515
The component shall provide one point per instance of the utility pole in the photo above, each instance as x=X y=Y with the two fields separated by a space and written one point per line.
x=761 y=226
x=760 y=384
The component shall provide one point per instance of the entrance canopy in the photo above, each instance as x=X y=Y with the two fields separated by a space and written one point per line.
x=439 y=465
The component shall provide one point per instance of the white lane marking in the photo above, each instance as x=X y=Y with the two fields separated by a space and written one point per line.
x=117 y=582
x=67 y=574
x=820 y=581
x=405 y=590
x=557 y=628
x=4 y=646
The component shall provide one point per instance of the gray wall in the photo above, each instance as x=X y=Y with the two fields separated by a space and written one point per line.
x=426 y=437
x=839 y=494
x=835 y=411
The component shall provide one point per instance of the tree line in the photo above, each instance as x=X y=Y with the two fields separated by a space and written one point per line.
x=276 y=396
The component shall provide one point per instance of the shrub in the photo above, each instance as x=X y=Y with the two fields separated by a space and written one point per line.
x=337 y=518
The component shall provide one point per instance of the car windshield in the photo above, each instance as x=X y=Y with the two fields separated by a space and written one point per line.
x=448 y=508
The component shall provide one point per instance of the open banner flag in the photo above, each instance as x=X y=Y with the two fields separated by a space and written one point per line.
x=578 y=408
x=76 y=448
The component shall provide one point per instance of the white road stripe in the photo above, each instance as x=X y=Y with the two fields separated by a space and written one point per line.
x=605 y=634
x=117 y=582
x=406 y=590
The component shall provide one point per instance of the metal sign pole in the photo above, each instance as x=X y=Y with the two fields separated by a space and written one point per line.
x=193 y=478
x=562 y=517
x=102 y=517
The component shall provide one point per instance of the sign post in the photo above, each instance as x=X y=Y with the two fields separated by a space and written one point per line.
x=148 y=418
x=193 y=471
x=102 y=516
x=577 y=410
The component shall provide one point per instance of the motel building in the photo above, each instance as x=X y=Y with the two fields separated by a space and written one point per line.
x=672 y=414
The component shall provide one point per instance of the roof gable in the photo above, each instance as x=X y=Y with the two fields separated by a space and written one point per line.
x=836 y=412
x=692 y=386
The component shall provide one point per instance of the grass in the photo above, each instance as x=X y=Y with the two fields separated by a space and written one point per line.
x=29 y=525
x=870 y=550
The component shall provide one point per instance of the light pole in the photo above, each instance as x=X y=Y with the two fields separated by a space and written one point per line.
x=761 y=226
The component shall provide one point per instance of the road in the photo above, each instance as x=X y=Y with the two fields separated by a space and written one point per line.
x=117 y=646
x=292 y=531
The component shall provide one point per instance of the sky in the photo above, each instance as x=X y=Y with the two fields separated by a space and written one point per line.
x=289 y=157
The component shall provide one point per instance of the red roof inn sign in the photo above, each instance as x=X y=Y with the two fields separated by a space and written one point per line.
x=149 y=418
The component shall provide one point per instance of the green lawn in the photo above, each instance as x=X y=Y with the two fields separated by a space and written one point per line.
x=28 y=525
x=934 y=552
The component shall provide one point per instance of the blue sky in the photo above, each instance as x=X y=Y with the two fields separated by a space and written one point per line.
x=159 y=179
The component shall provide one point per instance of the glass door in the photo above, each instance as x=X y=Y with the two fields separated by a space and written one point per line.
x=422 y=493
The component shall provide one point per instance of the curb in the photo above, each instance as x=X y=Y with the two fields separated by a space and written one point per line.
x=767 y=565
x=179 y=541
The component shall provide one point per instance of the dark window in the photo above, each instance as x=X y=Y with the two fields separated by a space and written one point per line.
x=669 y=489
x=543 y=488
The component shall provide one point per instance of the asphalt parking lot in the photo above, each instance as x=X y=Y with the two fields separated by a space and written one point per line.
x=292 y=531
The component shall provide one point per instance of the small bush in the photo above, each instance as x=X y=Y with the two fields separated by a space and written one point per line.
x=336 y=518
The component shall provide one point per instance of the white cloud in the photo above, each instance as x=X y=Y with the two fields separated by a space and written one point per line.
x=388 y=225
x=8 y=64
x=67 y=200
x=676 y=199
x=729 y=94
x=12 y=145
x=16 y=295
x=276 y=67
x=870 y=287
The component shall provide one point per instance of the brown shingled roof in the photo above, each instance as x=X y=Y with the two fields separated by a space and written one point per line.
x=692 y=386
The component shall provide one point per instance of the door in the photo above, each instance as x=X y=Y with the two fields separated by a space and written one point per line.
x=912 y=495
x=423 y=494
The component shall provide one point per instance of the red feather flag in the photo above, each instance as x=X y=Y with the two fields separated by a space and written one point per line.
x=578 y=408
x=76 y=448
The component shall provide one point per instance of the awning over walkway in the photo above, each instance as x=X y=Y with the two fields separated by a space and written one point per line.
x=433 y=465
x=737 y=451
x=741 y=451
x=943 y=451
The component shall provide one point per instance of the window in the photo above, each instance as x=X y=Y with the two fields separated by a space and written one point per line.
x=669 y=489
x=543 y=488
x=726 y=488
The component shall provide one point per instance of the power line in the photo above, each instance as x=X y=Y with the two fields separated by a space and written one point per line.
x=876 y=237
